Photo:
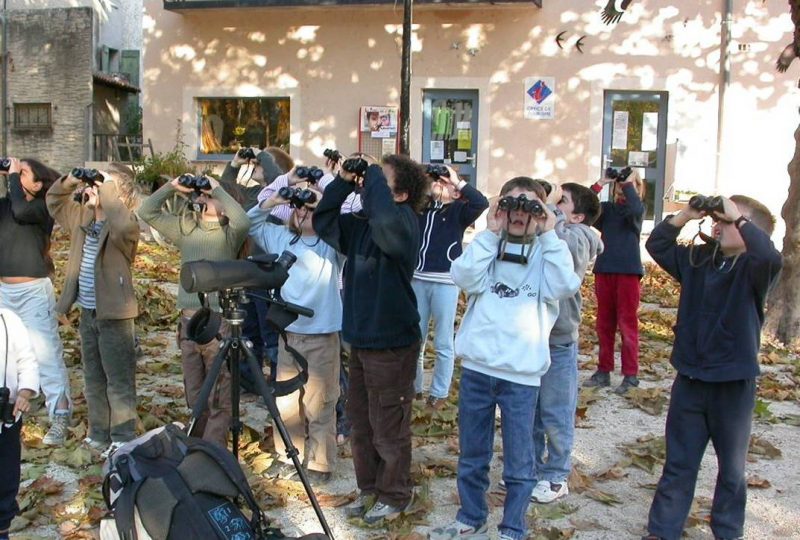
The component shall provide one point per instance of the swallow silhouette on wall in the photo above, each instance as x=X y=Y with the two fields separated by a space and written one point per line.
x=792 y=50
x=560 y=39
x=614 y=10
x=579 y=44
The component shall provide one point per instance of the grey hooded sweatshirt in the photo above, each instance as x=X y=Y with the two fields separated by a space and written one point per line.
x=584 y=245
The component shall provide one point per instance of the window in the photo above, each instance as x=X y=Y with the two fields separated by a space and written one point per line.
x=226 y=124
x=32 y=116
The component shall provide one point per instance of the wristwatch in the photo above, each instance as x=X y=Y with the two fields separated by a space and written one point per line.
x=740 y=220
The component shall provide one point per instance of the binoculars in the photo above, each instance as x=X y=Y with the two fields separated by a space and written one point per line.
x=355 y=165
x=619 y=176
x=5 y=164
x=197 y=183
x=522 y=204
x=332 y=155
x=310 y=174
x=88 y=176
x=246 y=153
x=702 y=203
x=437 y=170
x=297 y=197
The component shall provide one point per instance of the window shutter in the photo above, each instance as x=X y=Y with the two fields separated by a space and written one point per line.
x=129 y=64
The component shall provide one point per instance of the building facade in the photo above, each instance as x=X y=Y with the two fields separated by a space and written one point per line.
x=498 y=90
x=71 y=77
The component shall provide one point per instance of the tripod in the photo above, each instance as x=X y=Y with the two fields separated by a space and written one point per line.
x=233 y=350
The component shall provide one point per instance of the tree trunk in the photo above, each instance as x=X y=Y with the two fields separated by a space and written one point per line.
x=783 y=317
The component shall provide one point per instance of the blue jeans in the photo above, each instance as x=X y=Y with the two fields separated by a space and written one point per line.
x=554 y=427
x=478 y=396
x=437 y=301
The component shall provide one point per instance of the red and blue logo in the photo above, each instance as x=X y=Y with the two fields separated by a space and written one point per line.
x=539 y=92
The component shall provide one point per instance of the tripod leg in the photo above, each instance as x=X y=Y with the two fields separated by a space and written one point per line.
x=201 y=404
x=237 y=346
x=291 y=450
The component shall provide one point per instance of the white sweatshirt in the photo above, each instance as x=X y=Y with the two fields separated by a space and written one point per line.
x=17 y=363
x=512 y=307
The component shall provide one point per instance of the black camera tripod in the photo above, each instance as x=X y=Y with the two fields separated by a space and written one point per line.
x=232 y=351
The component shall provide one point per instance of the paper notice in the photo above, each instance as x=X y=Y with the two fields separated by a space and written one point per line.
x=459 y=157
x=437 y=150
x=619 y=138
x=638 y=159
x=649 y=131
x=388 y=146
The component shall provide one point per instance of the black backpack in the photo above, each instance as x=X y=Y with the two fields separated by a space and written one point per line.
x=169 y=486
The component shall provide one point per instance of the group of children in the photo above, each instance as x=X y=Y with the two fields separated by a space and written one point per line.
x=396 y=237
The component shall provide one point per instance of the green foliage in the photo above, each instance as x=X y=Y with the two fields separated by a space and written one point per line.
x=133 y=119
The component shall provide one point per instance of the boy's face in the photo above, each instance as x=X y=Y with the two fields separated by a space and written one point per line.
x=567 y=207
x=728 y=235
x=521 y=223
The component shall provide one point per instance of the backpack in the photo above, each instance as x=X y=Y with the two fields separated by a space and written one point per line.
x=166 y=485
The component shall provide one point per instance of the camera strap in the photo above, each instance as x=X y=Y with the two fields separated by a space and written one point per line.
x=284 y=388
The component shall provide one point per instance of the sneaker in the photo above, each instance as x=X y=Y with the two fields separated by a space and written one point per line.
x=599 y=378
x=113 y=447
x=458 y=530
x=435 y=403
x=95 y=445
x=280 y=470
x=504 y=536
x=360 y=505
x=546 y=492
x=381 y=511
x=57 y=433
x=317 y=478
x=628 y=382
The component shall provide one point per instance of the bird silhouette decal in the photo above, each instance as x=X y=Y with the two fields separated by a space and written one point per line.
x=614 y=9
x=792 y=50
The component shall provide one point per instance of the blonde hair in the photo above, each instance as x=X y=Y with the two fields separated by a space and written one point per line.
x=639 y=183
x=127 y=189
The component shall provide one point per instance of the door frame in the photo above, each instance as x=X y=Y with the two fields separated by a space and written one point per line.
x=458 y=94
x=418 y=84
x=596 y=111
x=661 y=135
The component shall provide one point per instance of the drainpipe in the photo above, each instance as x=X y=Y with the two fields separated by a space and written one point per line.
x=4 y=96
x=724 y=82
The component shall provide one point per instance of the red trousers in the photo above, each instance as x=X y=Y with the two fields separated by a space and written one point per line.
x=617 y=307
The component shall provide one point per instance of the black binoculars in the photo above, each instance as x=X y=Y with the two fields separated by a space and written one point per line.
x=618 y=175
x=702 y=203
x=5 y=164
x=197 y=183
x=355 y=165
x=332 y=155
x=297 y=197
x=521 y=204
x=246 y=153
x=87 y=176
x=310 y=174
x=6 y=406
x=437 y=170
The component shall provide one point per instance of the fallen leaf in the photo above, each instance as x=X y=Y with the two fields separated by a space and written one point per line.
x=763 y=448
x=757 y=482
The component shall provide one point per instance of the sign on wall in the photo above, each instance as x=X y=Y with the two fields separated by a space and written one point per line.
x=540 y=97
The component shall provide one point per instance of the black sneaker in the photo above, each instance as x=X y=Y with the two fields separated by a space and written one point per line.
x=598 y=378
x=628 y=382
x=358 y=507
x=318 y=478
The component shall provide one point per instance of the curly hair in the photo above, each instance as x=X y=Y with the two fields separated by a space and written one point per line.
x=409 y=178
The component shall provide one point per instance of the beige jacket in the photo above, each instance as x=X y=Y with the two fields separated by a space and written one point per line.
x=118 y=241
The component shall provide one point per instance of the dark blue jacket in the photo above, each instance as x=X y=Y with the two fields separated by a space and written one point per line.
x=442 y=230
x=381 y=244
x=620 y=225
x=721 y=311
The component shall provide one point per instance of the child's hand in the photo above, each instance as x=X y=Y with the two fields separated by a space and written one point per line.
x=496 y=220
x=212 y=185
x=731 y=213
x=548 y=221
x=23 y=404
x=273 y=201
x=178 y=187
x=556 y=194
x=604 y=180
x=14 y=166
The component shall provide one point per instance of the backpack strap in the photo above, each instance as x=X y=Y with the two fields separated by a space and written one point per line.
x=176 y=485
x=124 y=508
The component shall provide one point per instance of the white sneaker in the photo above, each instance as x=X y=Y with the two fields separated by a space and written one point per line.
x=457 y=530
x=57 y=433
x=113 y=447
x=94 y=445
x=547 y=492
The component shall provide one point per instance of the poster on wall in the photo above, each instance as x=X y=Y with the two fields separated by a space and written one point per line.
x=638 y=159
x=540 y=98
x=381 y=122
x=619 y=137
